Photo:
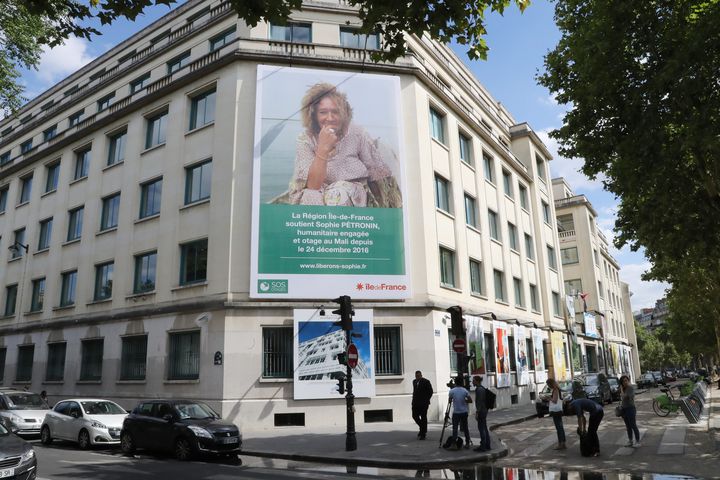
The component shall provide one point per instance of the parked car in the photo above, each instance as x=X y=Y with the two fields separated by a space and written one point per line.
x=647 y=380
x=596 y=387
x=17 y=457
x=22 y=412
x=668 y=377
x=85 y=421
x=183 y=427
x=542 y=403
x=614 y=387
x=658 y=377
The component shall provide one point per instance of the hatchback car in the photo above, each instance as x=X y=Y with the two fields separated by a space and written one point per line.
x=85 y=421
x=542 y=404
x=614 y=387
x=22 y=412
x=183 y=427
x=17 y=457
x=596 y=387
x=647 y=380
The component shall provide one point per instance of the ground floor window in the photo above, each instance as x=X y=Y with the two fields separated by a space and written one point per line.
x=387 y=350
x=133 y=360
x=25 y=363
x=184 y=356
x=55 y=369
x=91 y=359
x=277 y=361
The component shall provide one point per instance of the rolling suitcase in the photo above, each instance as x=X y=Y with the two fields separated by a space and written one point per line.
x=589 y=445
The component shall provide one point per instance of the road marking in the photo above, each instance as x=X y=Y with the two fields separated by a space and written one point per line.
x=623 y=438
x=96 y=462
x=521 y=437
x=538 y=447
x=673 y=441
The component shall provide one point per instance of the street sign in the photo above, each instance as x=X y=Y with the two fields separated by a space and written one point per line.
x=352 y=356
x=459 y=345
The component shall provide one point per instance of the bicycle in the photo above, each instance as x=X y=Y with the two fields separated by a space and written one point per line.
x=665 y=404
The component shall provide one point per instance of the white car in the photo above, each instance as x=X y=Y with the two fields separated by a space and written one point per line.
x=87 y=421
x=22 y=412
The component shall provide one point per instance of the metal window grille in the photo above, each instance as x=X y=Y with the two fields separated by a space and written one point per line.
x=91 y=360
x=133 y=361
x=277 y=352
x=387 y=351
x=25 y=363
x=184 y=356
x=55 y=368
x=3 y=354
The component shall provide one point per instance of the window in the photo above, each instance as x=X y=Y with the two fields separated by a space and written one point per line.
x=145 y=266
x=595 y=257
x=50 y=133
x=513 y=237
x=82 y=163
x=540 y=162
x=529 y=247
x=38 y=295
x=519 y=296
x=4 y=158
x=105 y=102
x=26 y=146
x=447 y=267
x=219 y=41
x=133 y=358
x=530 y=353
x=19 y=240
x=600 y=289
x=202 y=110
x=442 y=194
x=103 y=281
x=193 y=262
x=499 y=278
x=75 y=223
x=52 y=174
x=552 y=261
x=178 y=62
x=291 y=32
x=507 y=183
x=489 y=352
x=556 y=304
x=75 y=118
x=3 y=199
x=352 y=38
x=197 y=182
x=45 y=234
x=453 y=355
x=546 y=212
x=437 y=125
x=92 y=359
x=55 y=368
x=465 y=152
x=24 y=363
x=3 y=355
x=573 y=287
x=477 y=281
x=277 y=352
x=184 y=356
x=569 y=255
x=139 y=83
x=565 y=223
x=387 y=351
x=116 y=150
x=494 y=227
x=150 y=194
x=523 y=196
x=25 y=189
x=10 y=299
x=534 y=303
x=69 y=285
x=489 y=164
x=470 y=211
x=156 y=129
x=110 y=212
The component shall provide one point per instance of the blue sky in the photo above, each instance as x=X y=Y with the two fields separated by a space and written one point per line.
x=517 y=44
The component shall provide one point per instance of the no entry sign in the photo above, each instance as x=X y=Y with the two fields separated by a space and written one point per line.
x=352 y=356
x=459 y=345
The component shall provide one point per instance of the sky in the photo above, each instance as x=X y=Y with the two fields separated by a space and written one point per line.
x=517 y=44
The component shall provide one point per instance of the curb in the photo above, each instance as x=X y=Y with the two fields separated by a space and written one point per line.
x=514 y=421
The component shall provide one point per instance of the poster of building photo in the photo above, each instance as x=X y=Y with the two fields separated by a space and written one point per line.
x=475 y=327
x=502 y=354
x=328 y=214
x=318 y=341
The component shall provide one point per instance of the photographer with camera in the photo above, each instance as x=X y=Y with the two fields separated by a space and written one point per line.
x=459 y=397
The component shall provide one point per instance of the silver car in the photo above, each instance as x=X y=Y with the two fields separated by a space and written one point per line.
x=85 y=421
x=22 y=411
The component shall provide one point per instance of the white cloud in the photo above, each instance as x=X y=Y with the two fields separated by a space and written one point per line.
x=644 y=294
x=57 y=63
x=568 y=168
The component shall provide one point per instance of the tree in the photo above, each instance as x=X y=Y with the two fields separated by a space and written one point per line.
x=26 y=26
x=640 y=80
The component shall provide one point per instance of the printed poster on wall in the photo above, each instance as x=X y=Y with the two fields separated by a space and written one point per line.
x=558 y=349
x=328 y=195
x=521 y=361
x=590 y=325
x=316 y=345
x=539 y=356
x=475 y=327
x=502 y=354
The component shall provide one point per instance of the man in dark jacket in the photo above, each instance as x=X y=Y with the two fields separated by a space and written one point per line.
x=422 y=394
x=481 y=413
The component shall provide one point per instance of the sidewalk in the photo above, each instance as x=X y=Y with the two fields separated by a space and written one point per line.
x=388 y=445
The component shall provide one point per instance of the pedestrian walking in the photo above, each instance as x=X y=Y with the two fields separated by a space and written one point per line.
x=588 y=430
x=422 y=394
x=481 y=412
x=460 y=398
x=44 y=400
x=629 y=412
x=555 y=407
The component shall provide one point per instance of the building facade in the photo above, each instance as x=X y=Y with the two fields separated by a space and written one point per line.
x=126 y=224
x=653 y=318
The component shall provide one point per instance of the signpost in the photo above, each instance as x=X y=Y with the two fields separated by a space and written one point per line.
x=352 y=356
x=459 y=345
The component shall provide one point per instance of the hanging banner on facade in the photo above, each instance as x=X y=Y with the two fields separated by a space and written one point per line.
x=318 y=341
x=590 y=325
x=615 y=353
x=328 y=198
x=558 y=347
x=539 y=356
x=521 y=361
x=502 y=354
x=475 y=328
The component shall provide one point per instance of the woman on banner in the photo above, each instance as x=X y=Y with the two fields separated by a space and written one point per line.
x=337 y=162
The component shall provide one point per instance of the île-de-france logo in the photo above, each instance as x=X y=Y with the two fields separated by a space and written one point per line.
x=272 y=286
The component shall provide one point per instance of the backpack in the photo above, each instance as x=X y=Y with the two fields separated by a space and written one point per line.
x=489 y=399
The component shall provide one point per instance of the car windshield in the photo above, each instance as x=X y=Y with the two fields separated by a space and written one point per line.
x=195 y=411
x=613 y=381
x=102 y=408
x=591 y=380
x=24 y=401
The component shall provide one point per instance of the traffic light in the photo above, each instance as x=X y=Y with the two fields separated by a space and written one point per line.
x=345 y=311
x=456 y=321
x=341 y=383
x=342 y=358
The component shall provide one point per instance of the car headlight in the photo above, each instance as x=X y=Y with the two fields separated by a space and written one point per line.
x=27 y=456
x=14 y=418
x=96 y=424
x=199 y=431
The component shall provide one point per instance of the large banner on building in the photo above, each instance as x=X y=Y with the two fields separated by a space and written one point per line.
x=502 y=354
x=539 y=356
x=317 y=343
x=590 y=325
x=521 y=358
x=558 y=347
x=329 y=214
x=475 y=328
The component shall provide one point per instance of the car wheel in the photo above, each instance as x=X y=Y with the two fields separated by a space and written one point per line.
x=183 y=449
x=127 y=443
x=46 y=436
x=84 y=440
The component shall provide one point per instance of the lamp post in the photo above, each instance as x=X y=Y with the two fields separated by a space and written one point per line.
x=16 y=249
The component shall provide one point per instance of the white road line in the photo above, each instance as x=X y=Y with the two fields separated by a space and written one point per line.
x=538 y=447
x=623 y=438
x=673 y=441
x=625 y=451
x=521 y=437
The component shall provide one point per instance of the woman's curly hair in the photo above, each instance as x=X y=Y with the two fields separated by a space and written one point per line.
x=309 y=106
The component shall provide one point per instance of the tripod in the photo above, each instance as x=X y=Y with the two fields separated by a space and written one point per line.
x=445 y=423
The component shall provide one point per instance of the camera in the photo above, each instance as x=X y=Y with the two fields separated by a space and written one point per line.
x=451 y=383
